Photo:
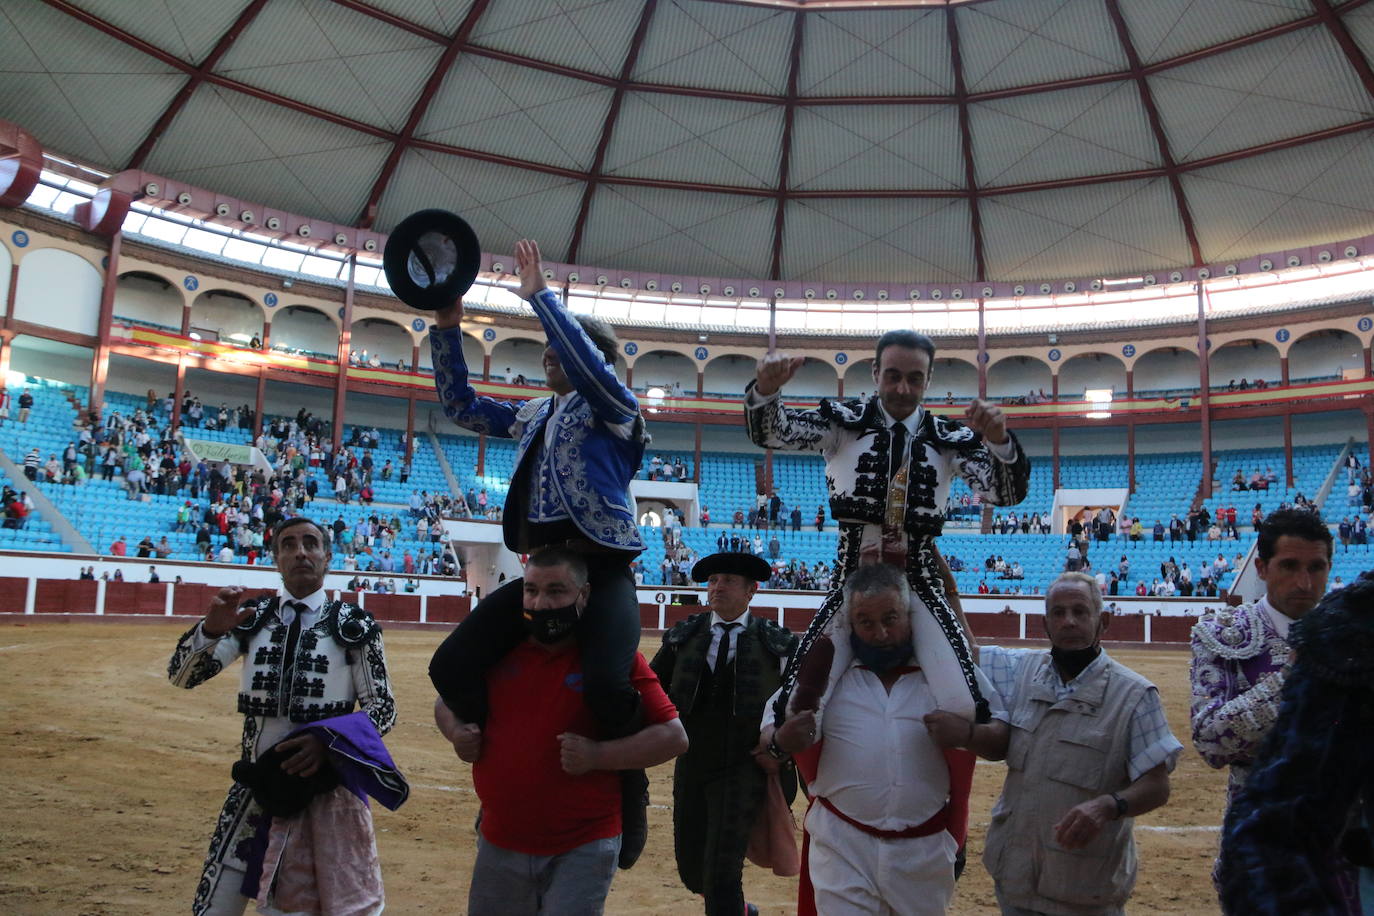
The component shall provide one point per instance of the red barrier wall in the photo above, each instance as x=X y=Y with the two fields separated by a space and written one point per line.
x=648 y=616
x=1172 y=629
x=448 y=608
x=13 y=592
x=394 y=607
x=61 y=596
x=991 y=626
x=1125 y=628
x=135 y=598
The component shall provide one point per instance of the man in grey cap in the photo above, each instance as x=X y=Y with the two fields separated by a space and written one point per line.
x=719 y=667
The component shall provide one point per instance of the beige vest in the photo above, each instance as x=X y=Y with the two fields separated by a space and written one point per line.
x=1063 y=753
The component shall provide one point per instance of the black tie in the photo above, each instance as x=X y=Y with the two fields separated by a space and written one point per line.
x=898 y=449
x=723 y=650
x=288 y=665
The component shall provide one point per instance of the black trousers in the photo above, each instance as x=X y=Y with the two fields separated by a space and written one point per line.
x=608 y=636
x=712 y=817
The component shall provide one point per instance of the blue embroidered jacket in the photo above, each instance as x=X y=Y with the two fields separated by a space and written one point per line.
x=583 y=471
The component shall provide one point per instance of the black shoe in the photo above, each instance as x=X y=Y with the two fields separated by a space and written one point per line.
x=634 y=816
x=750 y=910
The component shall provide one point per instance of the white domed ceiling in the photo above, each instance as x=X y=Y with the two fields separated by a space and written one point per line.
x=930 y=142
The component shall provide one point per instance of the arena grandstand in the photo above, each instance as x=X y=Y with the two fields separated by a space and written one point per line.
x=1146 y=231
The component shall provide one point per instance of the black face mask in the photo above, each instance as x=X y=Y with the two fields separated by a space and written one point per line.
x=879 y=659
x=1071 y=662
x=549 y=625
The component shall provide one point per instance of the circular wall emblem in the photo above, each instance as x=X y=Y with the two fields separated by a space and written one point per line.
x=701 y=353
x=983 y=357
x=190 y=283
x=489 y=335
x=631 y=348
x=20 y=238
x=341 y=311
x=270 y=300
x=418 y=324
x=1282 y=335
x=1365 y=324
x=1128 y=350
x=1054 y=355
x=841 y=358
x=660 y=598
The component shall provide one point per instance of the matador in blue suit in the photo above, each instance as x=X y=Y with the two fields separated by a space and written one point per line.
x=578 y=451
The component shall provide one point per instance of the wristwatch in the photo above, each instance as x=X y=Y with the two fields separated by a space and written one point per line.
x=1120 y=806
x=774 y=751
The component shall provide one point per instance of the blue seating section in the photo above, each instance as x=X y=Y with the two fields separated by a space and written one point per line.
x=102 y=511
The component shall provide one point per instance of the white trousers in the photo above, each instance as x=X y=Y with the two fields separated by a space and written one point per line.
x=855 y=872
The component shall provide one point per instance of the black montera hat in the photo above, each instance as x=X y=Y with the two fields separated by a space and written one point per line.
x=741 y=564
x=431 y=259
x=278 y=792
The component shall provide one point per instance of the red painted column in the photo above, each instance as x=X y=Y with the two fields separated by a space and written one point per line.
x=1205 y=384
x=486 y=367
x=266 y=335
x=258 y=402
x=100 y=366
x=345 y=341
x=1054 y=429
x=1287 y=427
x=410 y=404
x=481 y=454
x=180 y=391
x=983 y=357
x=630 y=377
x=1130 y=432
x=1368 y=362
x=701 y=383
x=696 y=456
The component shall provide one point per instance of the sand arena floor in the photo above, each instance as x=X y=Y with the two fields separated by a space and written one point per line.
x=113 y=778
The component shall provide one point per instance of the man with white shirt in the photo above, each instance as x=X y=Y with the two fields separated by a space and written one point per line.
x=887 y=798
x=1241 y=655
x=719 y=668
x=331 y=656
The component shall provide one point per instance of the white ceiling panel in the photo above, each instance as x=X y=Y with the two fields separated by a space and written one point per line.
x=242 y=146
x=1161 y=29
x=358 y=67
x=691 y=139
x=502 y=204
x=1286 y=199
x=503 y=108
x=443 y=17
x=1360 y=23
x=1093 y=130
x=190 y=29
x=78 y=91
x=682 y=232
x=876 y=146
x=1073 y=232
x=876 y=52
x=1286 y=86
x=885 y=241
x=591 y=35
x=1014 y=44
x=717 y=45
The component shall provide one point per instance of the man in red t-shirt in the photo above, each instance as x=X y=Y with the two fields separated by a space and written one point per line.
x=550 y=825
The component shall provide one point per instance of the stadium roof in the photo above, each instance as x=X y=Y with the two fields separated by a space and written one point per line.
x=797 y=140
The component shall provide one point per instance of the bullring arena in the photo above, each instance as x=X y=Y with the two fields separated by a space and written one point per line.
x=1144 y=229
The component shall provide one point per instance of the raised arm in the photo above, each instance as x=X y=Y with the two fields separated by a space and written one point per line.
x=584 y=365
x=773 y=425
x=208 y=647
x=461 y=402
x=991 y=462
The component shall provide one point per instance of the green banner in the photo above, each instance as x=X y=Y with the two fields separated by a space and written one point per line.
x=233 y=452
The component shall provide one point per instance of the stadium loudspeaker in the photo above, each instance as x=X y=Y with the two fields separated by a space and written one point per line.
x=223 y=209
x=1351 y=251
x=152 y=189
x=1266 y=265
x=1204 y=274
x=1324 y=256
x=626 y=283
x=370 y=245
x=247 y=216
x=574 y=276
x=1294 y=260
x=1071 y=287
x=184 y=198
x=882 y=295
x=341 y=239
x=273 y=223
x=651 y=285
